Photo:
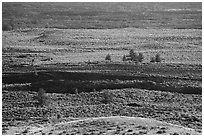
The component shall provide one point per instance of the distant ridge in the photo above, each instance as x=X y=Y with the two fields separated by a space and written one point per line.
x=84 y=15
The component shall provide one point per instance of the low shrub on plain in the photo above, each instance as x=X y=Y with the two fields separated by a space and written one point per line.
x=108 y=57
x=140 y=57
x=107 y=97
x=157 y=58
x=152 y=59
x=124 y=58
x=41 y=97
x=6 y=27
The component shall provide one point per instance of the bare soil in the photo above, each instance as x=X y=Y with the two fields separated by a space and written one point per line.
x=115 y=125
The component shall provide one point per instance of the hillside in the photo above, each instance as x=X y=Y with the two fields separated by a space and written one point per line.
x=120 y=125
x=57 y=80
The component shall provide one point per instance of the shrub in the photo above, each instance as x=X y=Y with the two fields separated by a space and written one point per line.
x=135 y=59
x=41 y=97
x=6 y=27
x=34 y=21
x=47 y=26
x=76 y=91
x=107 y=97
x=108 y=57
x=157 y=58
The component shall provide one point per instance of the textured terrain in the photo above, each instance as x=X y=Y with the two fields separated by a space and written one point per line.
x=19 y=109
x=106 y=126
x=62 y=52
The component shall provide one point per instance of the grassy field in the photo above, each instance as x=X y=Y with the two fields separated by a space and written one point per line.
x=82 y=45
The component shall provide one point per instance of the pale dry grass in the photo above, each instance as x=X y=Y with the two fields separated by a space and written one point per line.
x=80 y=45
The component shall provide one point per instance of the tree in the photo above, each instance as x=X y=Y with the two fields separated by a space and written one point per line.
x=108 y=57
x=124 y=58
x=157 y=58
x=140 y=57
x=132 y=54
x=152 y=59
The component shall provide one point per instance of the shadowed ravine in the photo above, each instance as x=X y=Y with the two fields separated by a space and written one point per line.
x=68 y=82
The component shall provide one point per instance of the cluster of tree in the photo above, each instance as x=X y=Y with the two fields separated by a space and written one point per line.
x=133 y=57
x=136 y=57
x=157 y=58
x=108 y=57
